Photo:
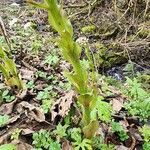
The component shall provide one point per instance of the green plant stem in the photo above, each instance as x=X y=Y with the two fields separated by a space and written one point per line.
x=86 y=115
x=71 y=51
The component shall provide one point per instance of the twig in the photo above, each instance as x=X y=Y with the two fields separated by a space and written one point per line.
x=75 y=6
x=130 y=2
x=3 y=29
x=147 y=6
x=92 y=6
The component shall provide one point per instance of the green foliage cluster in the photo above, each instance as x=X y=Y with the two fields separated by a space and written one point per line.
x=26 y=32
x=79 y=143
x=52 y=60
x=8 y=147
x=15 y=134
x=117 y=128
x=36 y=46
x=139 y=103
x=41 y=74
x=45 y=98
x=60 y=131
x=7 y=97
x=145 y=130
x=98 y=144
x=42 y=139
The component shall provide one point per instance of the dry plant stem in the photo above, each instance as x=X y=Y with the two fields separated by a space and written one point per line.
x=2 y=27
x=7 y=65
x=87 y=92
x=147 y=6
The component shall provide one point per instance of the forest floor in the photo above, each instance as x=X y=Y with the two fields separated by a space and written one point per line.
x=118 y=36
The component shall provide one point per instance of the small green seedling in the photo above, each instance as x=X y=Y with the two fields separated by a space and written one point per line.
x=98 y=144
x=42 y=95
x=78 y=143
x=88 y=29
x=30 y=85
x=46 y=99
x=117 y=128
x=36 y=46
x=41 y=74
x=3 y=120
x=42 y=140
x=7 y=97
x=15 y=134
x=46 y=105
x=52 y=60
x=145 y=131
x=60 y=131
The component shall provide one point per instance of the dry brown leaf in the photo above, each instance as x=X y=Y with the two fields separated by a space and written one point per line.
x=28 y=65
x=5 y=136
x=124 y=124
x=121 y=147
x=21 y=95
x=62 y=106
x=100 y=131
x=22 y=145
x=117 y=104
x=7 y=108
x=27 y=74
x=135 y=133
x=31 y=111
x=114 y=90
x=64 y=65
x=26 y=131
x=66 y=145
x=13 y=119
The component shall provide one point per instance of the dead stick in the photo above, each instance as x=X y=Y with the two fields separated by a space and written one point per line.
x=3 y=29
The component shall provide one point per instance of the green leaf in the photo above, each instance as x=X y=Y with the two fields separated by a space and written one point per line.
x=4 y=71
x=61 y=130
x=52 y=60
x=8 y=68
x=42 y=139
x=43 y=6
x=3 y=120
x=46 y=105
x=104 y=111
x=5 y=93
x=76 y=134
x=8 y=147
x=43 y=95
x=145 y=130
x=55 y=146
x=88 y=29
x=116 y=127
x=84 y=145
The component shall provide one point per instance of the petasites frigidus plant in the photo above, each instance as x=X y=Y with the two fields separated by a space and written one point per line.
x=9 y=70
x=87 y=92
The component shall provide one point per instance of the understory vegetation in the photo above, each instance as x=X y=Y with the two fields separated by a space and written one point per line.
x=75 y=75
